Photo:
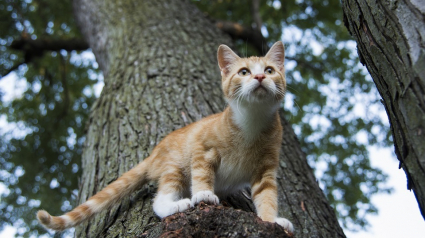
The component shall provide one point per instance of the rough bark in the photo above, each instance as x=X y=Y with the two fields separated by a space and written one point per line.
x=161 y=73
x=390 y=39
x=211 y=221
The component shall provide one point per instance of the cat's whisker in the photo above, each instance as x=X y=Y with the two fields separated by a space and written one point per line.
x=239 y=99
x=292 y=89
x=299 y=108
x=281 y=93
x=246 y=48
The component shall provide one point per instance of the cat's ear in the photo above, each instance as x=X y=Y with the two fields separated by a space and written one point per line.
x=226 y=58
x=277 y=54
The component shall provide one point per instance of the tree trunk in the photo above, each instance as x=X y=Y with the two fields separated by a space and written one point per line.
x=390 y=39
x=161 y=73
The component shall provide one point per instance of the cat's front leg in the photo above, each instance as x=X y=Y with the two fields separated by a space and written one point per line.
x=264 y=194
x=203 y=169
x=169 y=199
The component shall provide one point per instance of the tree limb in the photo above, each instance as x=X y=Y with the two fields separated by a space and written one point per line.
x=237 y=31
x=48 y=44
x=36 y=48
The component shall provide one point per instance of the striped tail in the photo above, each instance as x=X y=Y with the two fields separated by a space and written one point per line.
x=110 y=195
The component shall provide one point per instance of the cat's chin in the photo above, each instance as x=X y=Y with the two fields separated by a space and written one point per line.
x=261 y=100
x=260 y=88
x=261 y=92
x=261 y=95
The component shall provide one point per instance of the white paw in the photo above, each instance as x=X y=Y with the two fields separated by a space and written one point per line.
x=285 y=223
x=181 y=206
x=164 y=205
x=205 y=196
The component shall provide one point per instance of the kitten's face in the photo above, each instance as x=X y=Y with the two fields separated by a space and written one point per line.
x=254 y=79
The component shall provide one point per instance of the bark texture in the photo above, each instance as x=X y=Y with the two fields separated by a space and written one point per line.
x=213 y=221
x=390 y=38
x=161 y=73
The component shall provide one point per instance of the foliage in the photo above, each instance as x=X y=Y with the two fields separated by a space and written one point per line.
x=330 y=101
x=40 y=158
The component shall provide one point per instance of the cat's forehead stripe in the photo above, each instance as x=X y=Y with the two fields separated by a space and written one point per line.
x=257 y=68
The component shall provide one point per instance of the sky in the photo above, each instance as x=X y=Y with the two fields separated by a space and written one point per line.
x=398 y=215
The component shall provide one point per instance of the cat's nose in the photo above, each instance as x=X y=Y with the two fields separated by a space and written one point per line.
x=260 y=77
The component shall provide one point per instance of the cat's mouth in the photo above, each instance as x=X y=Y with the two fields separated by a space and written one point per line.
x=261 y=91
x=260 y=88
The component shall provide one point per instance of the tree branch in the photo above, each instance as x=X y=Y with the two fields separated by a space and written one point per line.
x=47 y=44
x=36 y=48
x=237 y=31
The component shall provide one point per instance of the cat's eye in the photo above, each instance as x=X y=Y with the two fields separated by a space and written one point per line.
x=269 y=70
x=244 y=72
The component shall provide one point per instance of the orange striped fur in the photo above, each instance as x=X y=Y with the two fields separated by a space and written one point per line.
x=219 y=154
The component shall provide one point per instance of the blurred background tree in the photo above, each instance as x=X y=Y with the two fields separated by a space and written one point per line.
x=331 y=102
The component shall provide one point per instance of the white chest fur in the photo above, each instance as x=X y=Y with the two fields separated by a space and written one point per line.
x=252 y=118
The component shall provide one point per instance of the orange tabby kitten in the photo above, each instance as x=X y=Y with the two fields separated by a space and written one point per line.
x=219 y=154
